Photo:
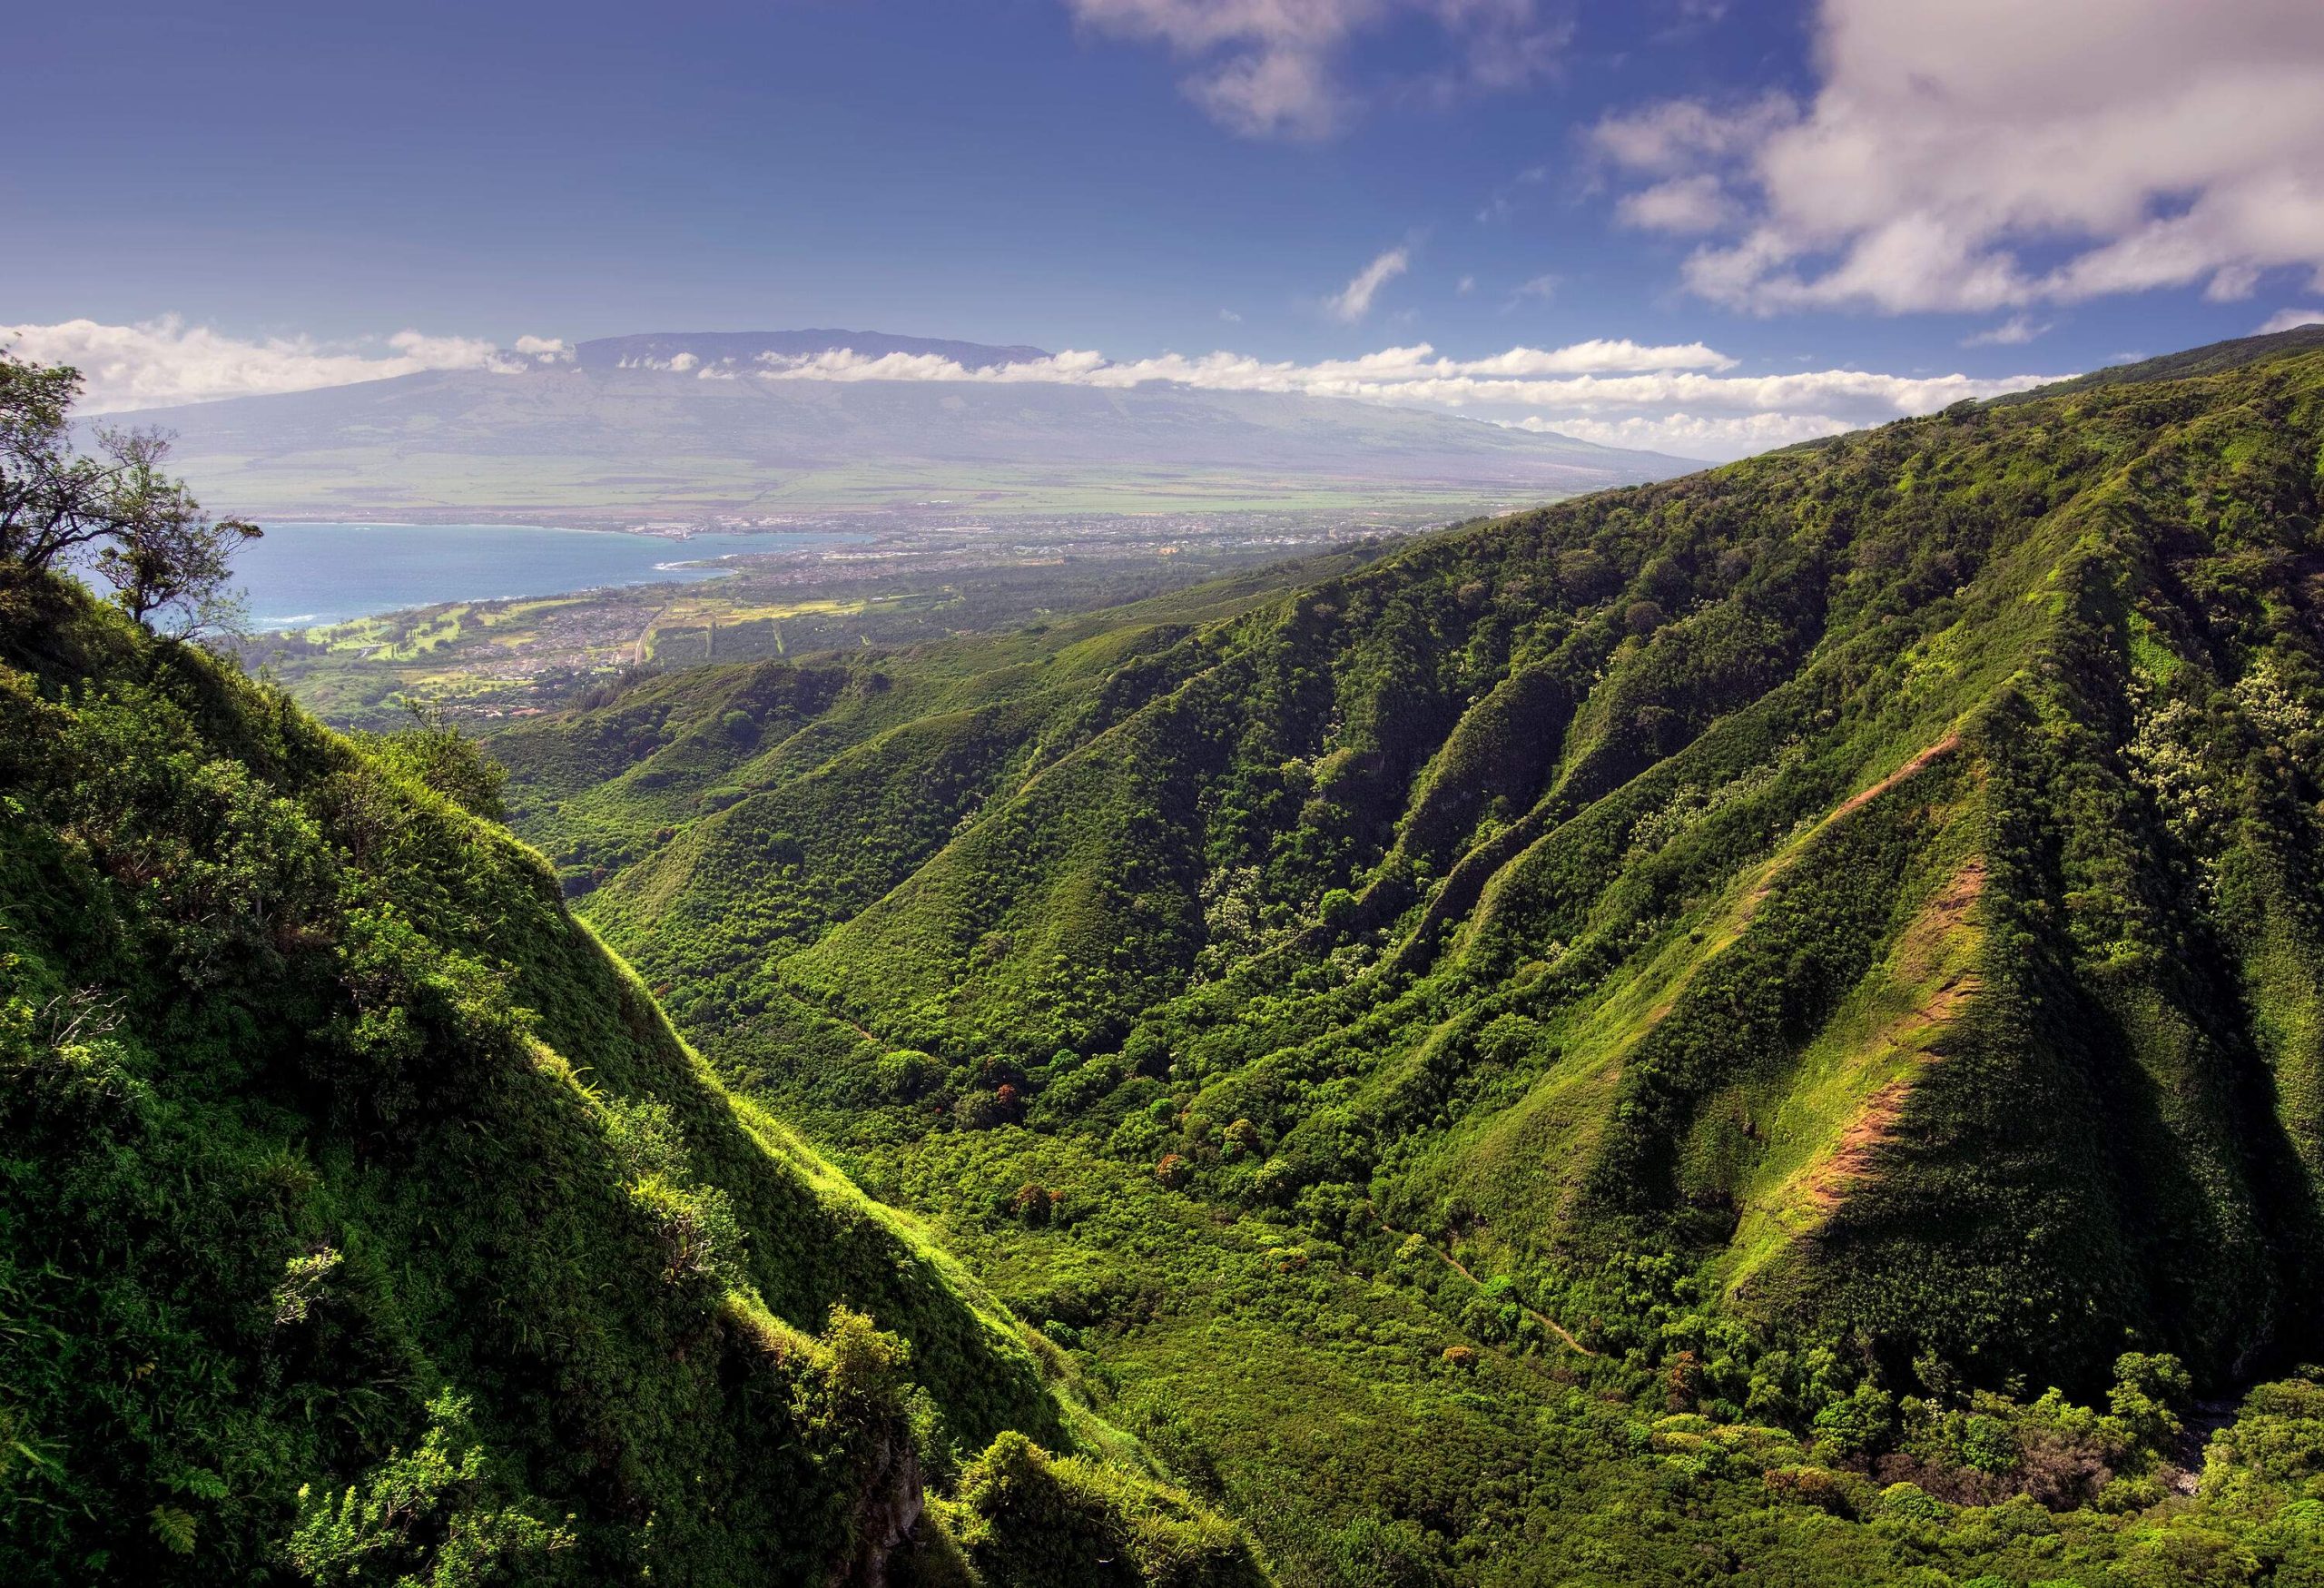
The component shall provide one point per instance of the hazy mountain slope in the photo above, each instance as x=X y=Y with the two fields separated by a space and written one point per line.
x=361 y=1219
x=1874 y=876
x=609 y=440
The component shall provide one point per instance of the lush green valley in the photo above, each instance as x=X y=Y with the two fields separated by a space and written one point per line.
x=1632 y=1042
x=1759 y=1028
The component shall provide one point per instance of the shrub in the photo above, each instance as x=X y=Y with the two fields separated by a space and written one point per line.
x=1032 y=1520
x=1816 y=1486
x=2147 y=1391
x=436 y=1517
x=1032 y=1205
x=1862 y=1425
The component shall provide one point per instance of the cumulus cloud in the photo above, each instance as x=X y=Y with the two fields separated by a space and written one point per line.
x=1680 y=205
x=422 y=351
x=1268 y=68
x=2014 y=332
x=1976 y=155
x=159 y=362
x=546 y=350
x=2286 y=319
x=1353 y=302
x=1677 y=136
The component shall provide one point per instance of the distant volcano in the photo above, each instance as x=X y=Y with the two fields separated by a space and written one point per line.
x=679 y=426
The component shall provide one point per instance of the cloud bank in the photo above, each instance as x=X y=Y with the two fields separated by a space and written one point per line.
x=1679 y=397
x=157 y=363
x=1984 y=156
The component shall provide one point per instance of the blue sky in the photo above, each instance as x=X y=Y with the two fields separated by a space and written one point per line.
x=1954 y=187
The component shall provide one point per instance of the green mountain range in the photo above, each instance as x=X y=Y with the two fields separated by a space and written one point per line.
x=1840 y=929
x=1767 y=1027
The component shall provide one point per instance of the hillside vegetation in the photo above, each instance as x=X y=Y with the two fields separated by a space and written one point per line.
x=1628 y=1042
x=363 y=1221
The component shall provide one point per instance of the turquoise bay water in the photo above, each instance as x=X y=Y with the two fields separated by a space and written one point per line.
x=305 y=573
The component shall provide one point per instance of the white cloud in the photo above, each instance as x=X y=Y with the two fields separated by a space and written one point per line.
x=1681 y=205
x=155 y=363
x=1688 y=435
x=1676 y=136
x=1464 y=286
x=1278 y=67
x=2286 y=319
x=1230 y=317
x=452 y=353
x=1544 y=286
x=1390 y=372
x=1973 y=155
x=1353 y=302
x=2015 y=331
x=546 y=350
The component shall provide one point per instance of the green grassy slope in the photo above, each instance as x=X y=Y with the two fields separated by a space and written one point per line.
x=362 y=1218
x=1843 y=919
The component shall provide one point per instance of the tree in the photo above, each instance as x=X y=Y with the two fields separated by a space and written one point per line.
x=433 y=751
x=2147 y=1393
x=167 y=562
x=50 y=498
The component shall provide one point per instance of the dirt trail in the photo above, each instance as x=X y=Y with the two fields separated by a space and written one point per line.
x=1859 y=1145
x=1454 y=1262
x=1943 y=747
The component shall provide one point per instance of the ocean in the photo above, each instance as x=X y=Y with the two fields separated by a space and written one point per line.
x=305 y=573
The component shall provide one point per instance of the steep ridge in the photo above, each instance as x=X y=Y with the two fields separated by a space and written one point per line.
x=362 y=1218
